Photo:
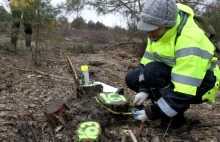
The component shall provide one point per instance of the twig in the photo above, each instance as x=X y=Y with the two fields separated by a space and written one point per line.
x=199 y=3
x=75 y=77
x=42 y=133
x=33 y=132
x=140 y=128
x=167 y=128
x=21 y=133
x=132 y=136
x=123 y=138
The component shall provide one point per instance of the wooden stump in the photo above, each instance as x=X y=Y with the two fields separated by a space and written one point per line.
x=56 y=113
x=89 y=131
x=114 y=101
x=90 y=90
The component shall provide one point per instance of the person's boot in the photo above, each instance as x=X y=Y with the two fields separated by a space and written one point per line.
x=177 y=121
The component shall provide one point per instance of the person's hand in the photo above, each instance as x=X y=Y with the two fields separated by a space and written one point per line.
x=141 y=115
x=140 y=98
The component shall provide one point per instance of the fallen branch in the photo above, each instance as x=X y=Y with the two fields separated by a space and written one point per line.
x=75 y=77
x=1 y=110
x=38 y=72
x=207 y=125
x=123 y=43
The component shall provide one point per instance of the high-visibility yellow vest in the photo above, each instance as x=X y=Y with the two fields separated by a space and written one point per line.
x=191 y=56
x=21 y=4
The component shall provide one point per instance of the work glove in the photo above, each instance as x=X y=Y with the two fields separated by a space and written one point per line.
x=140 y=98
x=141 y=115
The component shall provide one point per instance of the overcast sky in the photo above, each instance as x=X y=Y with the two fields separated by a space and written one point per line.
x=109 y=20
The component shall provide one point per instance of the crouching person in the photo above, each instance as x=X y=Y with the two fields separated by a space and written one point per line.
x=177 y=69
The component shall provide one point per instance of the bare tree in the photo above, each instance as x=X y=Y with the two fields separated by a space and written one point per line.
x=212 y=13
x=127 y=8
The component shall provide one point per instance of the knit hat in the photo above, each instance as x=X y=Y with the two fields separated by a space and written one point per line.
x=158 y=13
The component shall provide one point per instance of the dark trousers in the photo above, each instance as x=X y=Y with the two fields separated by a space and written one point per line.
x=27 y=20
x=158 y=75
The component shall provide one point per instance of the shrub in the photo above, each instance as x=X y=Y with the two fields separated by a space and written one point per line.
x=79 y=23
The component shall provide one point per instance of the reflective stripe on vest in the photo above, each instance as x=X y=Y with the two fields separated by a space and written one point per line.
x=141 y=77
x=213 y=65
x=159 y=58
x=181 y=53
x=193 y=51
x=166 y=108
x=186 y=80
x=164 y=60
x=148 y=55
x=189 y=80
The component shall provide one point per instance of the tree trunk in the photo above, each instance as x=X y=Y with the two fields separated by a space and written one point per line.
x=56 y=113
x=89 y=90
x=35 y=51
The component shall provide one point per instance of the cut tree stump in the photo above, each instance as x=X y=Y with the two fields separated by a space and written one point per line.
x=89 y=131
x=56 y=113
x=115 y=102
x=90 y=90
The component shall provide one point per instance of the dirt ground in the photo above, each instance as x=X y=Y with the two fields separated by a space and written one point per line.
x=25 y=90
